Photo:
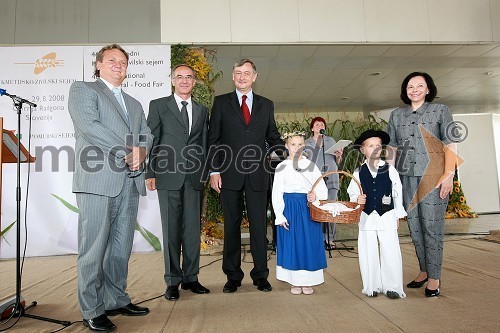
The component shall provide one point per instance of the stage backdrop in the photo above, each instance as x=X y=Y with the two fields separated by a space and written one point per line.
x=43 y=75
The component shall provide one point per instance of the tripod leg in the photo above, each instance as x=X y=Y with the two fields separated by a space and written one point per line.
x=60 y=322
x=334 y=231
x=22 y=311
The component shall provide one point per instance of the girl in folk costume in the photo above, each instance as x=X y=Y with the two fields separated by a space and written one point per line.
x=300 y=254
x=381 y=271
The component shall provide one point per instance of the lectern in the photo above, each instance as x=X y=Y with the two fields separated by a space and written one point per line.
x=8 y=154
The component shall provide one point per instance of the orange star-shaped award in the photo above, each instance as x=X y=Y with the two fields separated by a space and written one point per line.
x=437 y=166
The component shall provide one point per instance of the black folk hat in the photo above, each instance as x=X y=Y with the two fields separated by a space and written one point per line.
x=370 y=134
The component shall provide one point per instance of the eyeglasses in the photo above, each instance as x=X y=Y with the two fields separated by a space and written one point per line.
x=182 y=77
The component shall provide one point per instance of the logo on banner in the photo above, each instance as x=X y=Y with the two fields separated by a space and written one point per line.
x=47 y=61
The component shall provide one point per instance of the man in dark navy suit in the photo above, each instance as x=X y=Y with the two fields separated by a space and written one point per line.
x=241 y=123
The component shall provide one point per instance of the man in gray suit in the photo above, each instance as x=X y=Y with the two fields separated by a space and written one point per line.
x=180 y=129
x=112 y=142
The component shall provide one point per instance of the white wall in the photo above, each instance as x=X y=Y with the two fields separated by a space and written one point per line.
x=248 y=22
x=330 y=21
x=479 y=174
x=496 y=135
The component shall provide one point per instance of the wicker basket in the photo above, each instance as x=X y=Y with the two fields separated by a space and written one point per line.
x=320 y=215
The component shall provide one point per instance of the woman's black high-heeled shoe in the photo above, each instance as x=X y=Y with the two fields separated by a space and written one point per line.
x=431 y=293
x=415 y=284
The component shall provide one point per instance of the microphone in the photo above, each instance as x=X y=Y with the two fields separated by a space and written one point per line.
x=16 y=98
x=325 y=168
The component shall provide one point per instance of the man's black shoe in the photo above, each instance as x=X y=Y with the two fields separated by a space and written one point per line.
x=195 y=287
x=263 y=284
x=231 y=286
x=128 y=310
x=99 y=324
x=172 y=293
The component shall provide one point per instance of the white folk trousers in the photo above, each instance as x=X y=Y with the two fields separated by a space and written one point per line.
x=381 y=271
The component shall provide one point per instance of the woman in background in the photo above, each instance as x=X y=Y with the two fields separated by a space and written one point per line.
x=316 y=147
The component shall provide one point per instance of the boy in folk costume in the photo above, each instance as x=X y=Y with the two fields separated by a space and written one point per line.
x=300 y=256
x=380 y=273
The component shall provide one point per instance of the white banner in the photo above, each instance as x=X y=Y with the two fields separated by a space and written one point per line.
x=43 y=75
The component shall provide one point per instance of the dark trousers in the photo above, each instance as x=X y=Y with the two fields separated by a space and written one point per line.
x=180 y=217
x=232 y=209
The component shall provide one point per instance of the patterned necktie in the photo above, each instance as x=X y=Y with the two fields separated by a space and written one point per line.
x=118 y=96
x=244 y=109
x=184 y=115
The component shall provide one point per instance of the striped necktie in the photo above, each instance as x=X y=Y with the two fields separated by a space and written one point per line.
x=118 y=95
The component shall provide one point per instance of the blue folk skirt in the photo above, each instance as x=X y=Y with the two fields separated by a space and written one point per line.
x=301 y=247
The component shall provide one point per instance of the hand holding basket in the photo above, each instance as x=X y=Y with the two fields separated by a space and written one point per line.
x=321 y=215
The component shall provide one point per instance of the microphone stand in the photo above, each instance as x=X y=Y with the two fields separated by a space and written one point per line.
x=18 y=309
x=325 y=169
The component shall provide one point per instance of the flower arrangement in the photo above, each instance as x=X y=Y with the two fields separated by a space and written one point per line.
x=457 y=206
x=200 y=59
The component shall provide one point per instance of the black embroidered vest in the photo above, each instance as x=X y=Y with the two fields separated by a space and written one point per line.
x=376 y=188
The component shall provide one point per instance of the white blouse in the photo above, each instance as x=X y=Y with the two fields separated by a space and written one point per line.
x=389 y=220
x=295 y=177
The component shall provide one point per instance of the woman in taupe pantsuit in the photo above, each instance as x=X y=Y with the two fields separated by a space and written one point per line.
x=426 y=161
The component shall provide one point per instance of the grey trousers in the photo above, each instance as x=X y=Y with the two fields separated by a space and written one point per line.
x=180 y=220
x=105 y=235
x=426 y=224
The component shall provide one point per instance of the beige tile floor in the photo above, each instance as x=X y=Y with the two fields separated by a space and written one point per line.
x=469 y=301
